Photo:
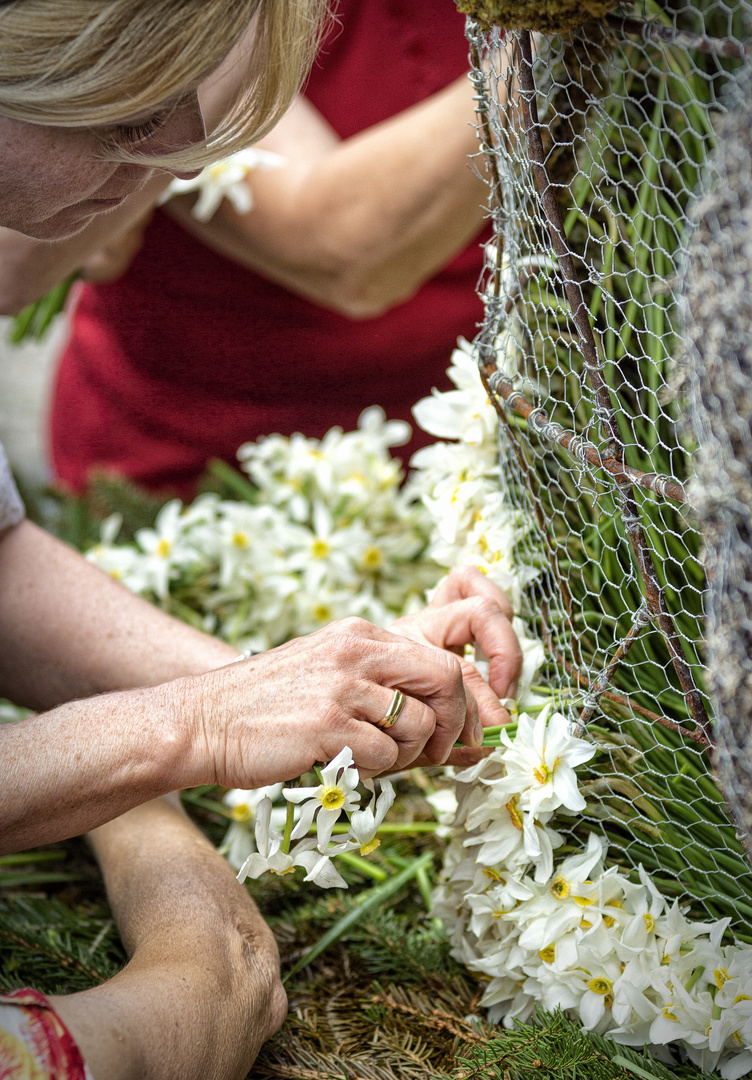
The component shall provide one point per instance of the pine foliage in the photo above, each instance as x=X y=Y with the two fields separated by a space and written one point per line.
x=54 y=948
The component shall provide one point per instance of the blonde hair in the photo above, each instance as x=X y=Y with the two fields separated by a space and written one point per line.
x=81 y=63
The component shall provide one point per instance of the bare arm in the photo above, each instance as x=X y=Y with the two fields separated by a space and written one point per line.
x=67 y=630
x=201 y=992
x=358 y=225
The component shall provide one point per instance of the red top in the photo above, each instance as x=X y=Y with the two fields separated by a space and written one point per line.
x=188 y=355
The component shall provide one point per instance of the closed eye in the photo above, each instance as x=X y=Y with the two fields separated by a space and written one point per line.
x=142 y=130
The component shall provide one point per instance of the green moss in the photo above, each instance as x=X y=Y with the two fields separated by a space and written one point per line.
x=548 y=16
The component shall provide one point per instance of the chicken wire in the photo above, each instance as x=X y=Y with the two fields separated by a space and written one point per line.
x=595 y=144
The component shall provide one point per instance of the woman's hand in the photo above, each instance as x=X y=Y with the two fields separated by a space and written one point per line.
x=271 y=717
x=469 y=609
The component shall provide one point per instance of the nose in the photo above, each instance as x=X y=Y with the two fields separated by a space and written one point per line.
x=183 y=128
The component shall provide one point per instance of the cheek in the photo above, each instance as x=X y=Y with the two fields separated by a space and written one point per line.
x=76 y=170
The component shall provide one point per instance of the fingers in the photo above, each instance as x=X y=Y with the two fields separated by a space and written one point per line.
x=479 y=619
x=434 y=677
x=415 y=728
x=271 y=717
x=466 y=581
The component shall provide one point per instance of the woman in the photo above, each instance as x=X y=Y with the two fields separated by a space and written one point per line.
x=346 y=285
x=96 y=98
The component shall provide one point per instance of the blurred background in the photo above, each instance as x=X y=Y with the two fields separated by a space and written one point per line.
x=25 y=372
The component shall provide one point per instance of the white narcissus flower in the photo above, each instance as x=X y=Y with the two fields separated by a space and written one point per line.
x=541 y=763
x=319 y=868
x=166 y=547
x=269 y=855
x=364 y=824
x=238 y=842
x=225 y=179
x=444 y=805
x=464 y=413
x=336 y=793
x=504 y=840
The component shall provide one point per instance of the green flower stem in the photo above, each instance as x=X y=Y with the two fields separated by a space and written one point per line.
x=423 y=882
x=238 y=484
x=289 y=822
x=400 y=827
x=363 y=866
x=694 y=977
x=34 y=321
x=373 y=898
x=491 y=734
x=21 y=857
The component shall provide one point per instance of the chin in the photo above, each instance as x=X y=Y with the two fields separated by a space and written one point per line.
x=61 y=225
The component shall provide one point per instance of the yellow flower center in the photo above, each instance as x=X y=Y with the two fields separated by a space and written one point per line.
x=720 y=975
x=669 y=1015
x=649 y=922
x=164 y=547
x=742 y=997
x=547 y=955
x=371 y=846
x=332 y=798
x=585 y=924
x=322 y=613
x=372 y=558
x=242 y=812
x=600 y=985
x=560 y=888
x=609 y=920
x=494 y=875
x=583 y=901
x=320 y=549
x=240 y=540
x=514 y=814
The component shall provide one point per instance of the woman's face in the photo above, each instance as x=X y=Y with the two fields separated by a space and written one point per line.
x=53 y=180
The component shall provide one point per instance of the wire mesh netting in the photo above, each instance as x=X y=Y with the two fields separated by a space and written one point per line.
x=596 y=143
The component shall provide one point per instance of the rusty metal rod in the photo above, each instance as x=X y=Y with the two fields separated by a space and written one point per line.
x=655 y=33
x=656 y=603
x=499 y=387
x=638 y=710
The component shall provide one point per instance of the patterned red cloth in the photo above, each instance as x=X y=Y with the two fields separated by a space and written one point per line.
x=188 y=355
x=35 y=1044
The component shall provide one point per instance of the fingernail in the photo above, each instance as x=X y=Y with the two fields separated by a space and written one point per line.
x=478 y=733
x=513 y=688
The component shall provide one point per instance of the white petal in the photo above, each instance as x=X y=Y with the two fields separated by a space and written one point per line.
x=307 y=811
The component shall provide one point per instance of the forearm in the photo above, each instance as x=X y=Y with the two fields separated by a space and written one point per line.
x=73 y=768
x=202 y=988
x=67 y=630
x=362 y=224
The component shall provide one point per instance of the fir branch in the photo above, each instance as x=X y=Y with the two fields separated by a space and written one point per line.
x=55 y=948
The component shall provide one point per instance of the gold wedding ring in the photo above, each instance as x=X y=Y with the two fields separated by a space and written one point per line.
x=393 y=713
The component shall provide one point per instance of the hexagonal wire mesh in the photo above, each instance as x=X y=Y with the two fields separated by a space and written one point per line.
x=594 y=145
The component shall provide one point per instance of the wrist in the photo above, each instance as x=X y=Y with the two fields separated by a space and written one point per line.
x=189 y=752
